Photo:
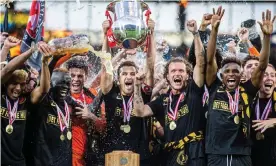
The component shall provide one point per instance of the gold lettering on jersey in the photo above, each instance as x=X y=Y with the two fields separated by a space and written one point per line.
x=20 y=115
x=165 y=101
x=184 y=110
x=53 y=119
x=221 y=105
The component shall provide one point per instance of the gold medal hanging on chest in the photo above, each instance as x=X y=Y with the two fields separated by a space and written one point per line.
x=69 y=135
x=172 y=125
x=237 y=119
x=122 y=127
x=9 y=129
x=127 y=129
x=62 y=137
x=259 y=136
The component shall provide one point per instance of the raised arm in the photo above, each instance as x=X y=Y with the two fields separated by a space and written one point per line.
x=9 y=43
x=212 y=66
x=105 y=26
x=151 y=54
x=14 y=64
x=140 y=109
x=267 y=29
x=45 y=78
x=106 y=83
x=198 y=74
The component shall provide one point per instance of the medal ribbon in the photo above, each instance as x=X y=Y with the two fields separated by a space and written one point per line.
x=12 y=111
x=61 y=117
x=127 y=108
x=172 y=114
x=234 y=104
x=79 y=101
x=267 y=110
x=205 y=95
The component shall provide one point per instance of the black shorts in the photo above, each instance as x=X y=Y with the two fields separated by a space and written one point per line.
x=179 y=158
x=230 y=160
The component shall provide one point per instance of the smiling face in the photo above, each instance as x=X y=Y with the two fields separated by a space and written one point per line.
x=126 y=79
x=16 y=84
x=78 y=77
x=231 y=75
x=177 y=76
x=268 y=82
x=61 y=85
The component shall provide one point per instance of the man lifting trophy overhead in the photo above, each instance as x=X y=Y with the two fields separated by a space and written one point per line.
x=128 y=27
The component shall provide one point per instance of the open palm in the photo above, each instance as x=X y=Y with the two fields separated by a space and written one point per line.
x=267 y=24
x=215 y=21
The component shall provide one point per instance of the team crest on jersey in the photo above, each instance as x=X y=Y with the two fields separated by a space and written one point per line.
x=182 y=158
x=53 y=103
x=165 y=100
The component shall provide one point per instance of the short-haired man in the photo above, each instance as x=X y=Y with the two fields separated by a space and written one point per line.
x=15 y=104
x=78 y=70
x=229 y=110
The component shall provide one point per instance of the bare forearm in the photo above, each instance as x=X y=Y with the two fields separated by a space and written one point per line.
x=117 y=58
x=4 y=53
x=264 y=55
x=138 y=102
x=151 y=55
x=106 y=81
x=105 y=46
x=13 y=65
x=44 y=78
x=200 y=64
x=211 y=47
x=264 y=58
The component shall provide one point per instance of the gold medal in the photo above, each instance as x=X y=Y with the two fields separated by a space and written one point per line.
x=69 y=135
x=62 y=138
x=127 y=128
x=172 y=125
x=122 y=127
x=237 y=119
x=9 y=129
x=259 y=136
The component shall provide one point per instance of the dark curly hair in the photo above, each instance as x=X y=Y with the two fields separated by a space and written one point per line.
x=126 y=63
x=230 y=59
x=248 y=58
x=189 y=67
x=77 y=62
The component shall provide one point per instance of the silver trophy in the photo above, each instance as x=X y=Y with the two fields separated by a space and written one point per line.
x=129 y=27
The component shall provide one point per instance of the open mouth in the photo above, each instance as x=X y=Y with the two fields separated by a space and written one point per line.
x=129 y=84
x=268 y=86
x=231 y=82
x=75 y=85
x=63 y=92
x=177 y=80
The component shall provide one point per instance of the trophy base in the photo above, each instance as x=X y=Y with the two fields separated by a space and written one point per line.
x=119 y=158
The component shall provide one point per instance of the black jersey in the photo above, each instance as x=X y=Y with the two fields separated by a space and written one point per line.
x=137 y=139
x=223 y=135
x=49 y=148
x=12 y=144
x=190 y=118
x=264 y=150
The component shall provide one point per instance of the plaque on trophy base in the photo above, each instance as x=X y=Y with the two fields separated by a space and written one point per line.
x=122 y=158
